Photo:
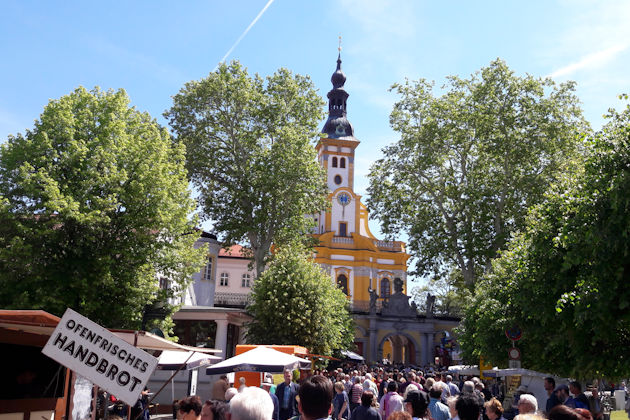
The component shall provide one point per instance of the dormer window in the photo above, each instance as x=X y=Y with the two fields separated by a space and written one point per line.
x=334 y=161
x=342 y=162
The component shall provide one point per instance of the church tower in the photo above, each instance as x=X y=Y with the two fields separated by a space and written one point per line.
x=354 y=257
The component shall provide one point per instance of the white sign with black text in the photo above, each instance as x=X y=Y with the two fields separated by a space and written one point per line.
x=95 y=353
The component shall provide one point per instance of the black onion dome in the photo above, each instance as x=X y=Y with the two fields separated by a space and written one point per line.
x=337 y=124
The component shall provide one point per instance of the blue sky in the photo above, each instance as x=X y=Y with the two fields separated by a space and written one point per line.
x=151 y=48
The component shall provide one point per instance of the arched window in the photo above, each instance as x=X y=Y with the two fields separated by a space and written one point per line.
x=338 y=179
x=334 y=161
x=385 y=288
x=225 y=277
x=342 y=283
x=342 y=163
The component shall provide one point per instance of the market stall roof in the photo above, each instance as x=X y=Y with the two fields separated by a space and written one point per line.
x=42 y=323
x=496 y=373
x=464 y=369
x=173 y=360
x=352 y=355
x=260 y=359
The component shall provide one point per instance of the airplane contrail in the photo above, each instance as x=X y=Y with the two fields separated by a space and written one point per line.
x=245 y=32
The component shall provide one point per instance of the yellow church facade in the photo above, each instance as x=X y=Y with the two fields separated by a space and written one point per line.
x=371 y=272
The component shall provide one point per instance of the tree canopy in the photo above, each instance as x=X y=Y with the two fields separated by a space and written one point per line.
x=250 y=154
x=563 y=280
x=94 y=207
x=469 y=163
x=295 y=302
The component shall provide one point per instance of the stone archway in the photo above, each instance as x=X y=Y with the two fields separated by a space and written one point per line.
x=405 y=349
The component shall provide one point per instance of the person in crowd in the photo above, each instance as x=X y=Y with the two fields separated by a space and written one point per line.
x=417 y=404
x=527 y=404
x=341 y=403
x=230 y=393
x=355 y=393
x=286 y=393
x=529 y=416
x=469 y=389
x=348 y=384
x=450 y=402
x=267 y=386
x=468 y=407
x=206 y=411
x=562 y=412
x=251 y=404
x=399 y=415
x=382 y=387
x=392 y=401
x=315 y=398
x=410 y=388
x=552 y=399
x=583 y=414
x=446 y=392
x=452 y=387
x=581 y=401
x=594 y=404
x=438 y=410
x=241 y=384
x=190 y=408
x=562 y=392
x=366 y=411
x=220 y=410
x=485 y=392
x=219 y=388
x=494 y=409
x=369 y=384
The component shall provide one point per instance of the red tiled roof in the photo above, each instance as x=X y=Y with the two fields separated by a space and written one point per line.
x=235 y=251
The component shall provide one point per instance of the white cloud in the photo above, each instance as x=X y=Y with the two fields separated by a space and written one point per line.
x=593 y=60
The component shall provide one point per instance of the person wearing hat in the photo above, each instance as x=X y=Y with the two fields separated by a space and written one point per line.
x=417 y=404
x=267 y=385
x=564 y=396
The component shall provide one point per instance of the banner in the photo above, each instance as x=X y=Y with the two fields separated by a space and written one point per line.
x=98 y=355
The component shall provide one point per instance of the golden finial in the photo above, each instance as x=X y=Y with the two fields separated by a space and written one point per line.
x=339 y=44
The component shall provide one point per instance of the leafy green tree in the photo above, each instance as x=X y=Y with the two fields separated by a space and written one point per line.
x=295 y=302
x=469 y=163
x=450 y=294
x=563 y=281
x=94 y=206
x=250 y=154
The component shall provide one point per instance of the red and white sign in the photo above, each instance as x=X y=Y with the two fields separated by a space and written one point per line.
x=98 y=355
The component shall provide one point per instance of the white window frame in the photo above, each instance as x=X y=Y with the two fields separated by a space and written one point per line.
x=207 y=271
x=246 y=280
x=225 y=279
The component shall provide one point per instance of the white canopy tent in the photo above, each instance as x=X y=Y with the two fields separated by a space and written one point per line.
x=352 y=355
x=464 y=369
x=180 y=360
x=260 y=359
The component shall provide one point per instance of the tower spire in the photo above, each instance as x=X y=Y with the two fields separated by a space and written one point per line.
x=337 y=125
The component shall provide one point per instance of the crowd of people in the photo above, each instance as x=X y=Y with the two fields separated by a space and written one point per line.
x=379 y=394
